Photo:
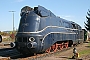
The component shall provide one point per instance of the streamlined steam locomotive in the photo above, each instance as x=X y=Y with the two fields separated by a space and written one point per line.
x=39 y=29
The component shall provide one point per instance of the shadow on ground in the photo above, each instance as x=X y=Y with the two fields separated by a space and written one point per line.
x=87 y=46
x=69 y=58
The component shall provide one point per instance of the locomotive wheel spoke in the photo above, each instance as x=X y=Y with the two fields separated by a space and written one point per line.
x=65 y=45
x=60 y=46
x=48 y=50
x=56 y=47
x=53 y=47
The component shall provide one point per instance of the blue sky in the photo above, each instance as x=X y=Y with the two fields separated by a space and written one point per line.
x=72 y=10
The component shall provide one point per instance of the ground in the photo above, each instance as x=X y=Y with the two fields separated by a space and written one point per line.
x=67 y=55
x=4 y=45
x=83 y=49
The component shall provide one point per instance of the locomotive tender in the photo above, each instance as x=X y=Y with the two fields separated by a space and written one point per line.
x=39 y=29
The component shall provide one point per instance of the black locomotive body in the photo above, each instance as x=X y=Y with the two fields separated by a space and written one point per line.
x=39 y=29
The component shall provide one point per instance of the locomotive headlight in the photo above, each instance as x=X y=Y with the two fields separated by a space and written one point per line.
x=31 y=39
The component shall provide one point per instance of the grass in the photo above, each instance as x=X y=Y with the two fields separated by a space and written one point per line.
x=85 y=52
x=89 y=43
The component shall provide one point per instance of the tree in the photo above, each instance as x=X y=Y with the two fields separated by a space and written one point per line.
x=87 y=24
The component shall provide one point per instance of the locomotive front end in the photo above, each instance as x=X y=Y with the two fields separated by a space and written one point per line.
x=25 y=44
x=26 y=40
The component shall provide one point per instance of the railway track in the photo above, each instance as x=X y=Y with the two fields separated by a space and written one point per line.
x=12 y=53
x=40 y=56
x=9 y=53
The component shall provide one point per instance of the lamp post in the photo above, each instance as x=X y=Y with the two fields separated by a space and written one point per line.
x=13 y=19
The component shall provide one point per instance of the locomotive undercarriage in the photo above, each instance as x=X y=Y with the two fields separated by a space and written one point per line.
x=59 y=45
